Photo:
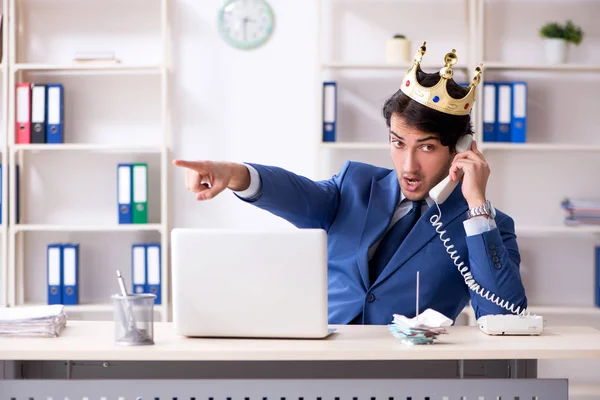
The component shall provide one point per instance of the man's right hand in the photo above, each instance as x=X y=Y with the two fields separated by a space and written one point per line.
x=209 y=178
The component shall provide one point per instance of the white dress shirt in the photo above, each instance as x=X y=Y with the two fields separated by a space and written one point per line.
x=473 y=226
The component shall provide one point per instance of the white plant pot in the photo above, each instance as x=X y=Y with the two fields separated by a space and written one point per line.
x=556 y=51
x=397 y=51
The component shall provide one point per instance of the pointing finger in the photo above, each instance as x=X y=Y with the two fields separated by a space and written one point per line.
x=195 y=165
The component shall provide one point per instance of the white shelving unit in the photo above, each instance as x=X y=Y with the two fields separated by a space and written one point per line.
x=4 y=284
x=475 y=39
x=562 y=146
x=99 y=229
x=117 y=68
x=494 y=65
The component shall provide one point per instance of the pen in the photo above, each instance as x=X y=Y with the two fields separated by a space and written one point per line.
x=122 y=284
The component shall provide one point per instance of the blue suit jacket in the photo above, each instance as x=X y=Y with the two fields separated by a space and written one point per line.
x=355 y=207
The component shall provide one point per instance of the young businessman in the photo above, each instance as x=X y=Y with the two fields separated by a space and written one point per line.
x=378 y=221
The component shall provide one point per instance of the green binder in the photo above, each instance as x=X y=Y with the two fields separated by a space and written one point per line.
x=140 y=193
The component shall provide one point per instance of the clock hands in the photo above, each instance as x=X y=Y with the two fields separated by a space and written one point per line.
x=246 y=20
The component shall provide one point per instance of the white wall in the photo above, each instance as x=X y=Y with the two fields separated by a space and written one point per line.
x=249 y=106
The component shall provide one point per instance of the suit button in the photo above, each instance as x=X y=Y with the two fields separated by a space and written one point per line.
x=493 y=252
x=497 y=265
x=496 y=259
x=492 y=247
x=371 y=298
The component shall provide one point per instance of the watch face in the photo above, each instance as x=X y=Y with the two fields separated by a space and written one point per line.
x=246 y=24
x=492 y=209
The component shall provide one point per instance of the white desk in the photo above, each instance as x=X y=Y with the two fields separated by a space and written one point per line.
x=95 y=341
x=376 y=356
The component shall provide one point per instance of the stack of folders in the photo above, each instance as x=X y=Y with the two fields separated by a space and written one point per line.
x=505 y=112
x=581 y=211
x=39 y=113
x=146 y=269
x=132 y=193
x=41 y=321
x=63 y=273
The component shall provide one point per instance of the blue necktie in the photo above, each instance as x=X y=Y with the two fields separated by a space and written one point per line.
x=393 y=239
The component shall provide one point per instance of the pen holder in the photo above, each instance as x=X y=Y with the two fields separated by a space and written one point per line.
x=134 y=319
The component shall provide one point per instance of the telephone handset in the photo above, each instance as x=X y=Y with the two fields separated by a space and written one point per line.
x=440 y=192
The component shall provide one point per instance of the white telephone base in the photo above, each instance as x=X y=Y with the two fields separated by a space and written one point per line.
x=511 y=324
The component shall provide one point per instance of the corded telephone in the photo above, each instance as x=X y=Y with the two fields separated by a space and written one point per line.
x=521 y=323
x=440 y=192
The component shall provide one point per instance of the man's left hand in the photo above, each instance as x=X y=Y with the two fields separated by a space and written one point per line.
x=476 y=172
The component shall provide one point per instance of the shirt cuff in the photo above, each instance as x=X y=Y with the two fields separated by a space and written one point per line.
x=478 y=225
x=254 y=188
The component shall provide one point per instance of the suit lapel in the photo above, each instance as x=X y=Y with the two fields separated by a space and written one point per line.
x=423 y=231
x=383 y=200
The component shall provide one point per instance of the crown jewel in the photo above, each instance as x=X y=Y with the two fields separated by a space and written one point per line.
x=437 y=96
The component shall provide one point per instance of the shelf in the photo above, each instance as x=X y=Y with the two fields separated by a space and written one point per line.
x=484 y=146
x=87 y=147
x=381 y=66
x=558 y=229
x=539 y=146
x=88 y=308
x=356 y=145
x=564 y=310
x=123 y=68
x=542 y=67
x=87 y=228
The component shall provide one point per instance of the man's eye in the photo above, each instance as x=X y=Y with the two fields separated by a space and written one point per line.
x=428 y=147
x=396 y=143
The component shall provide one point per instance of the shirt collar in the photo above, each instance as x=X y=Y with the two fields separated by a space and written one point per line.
x=428 y=200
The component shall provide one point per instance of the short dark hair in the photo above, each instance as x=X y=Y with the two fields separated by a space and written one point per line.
x=448 y=127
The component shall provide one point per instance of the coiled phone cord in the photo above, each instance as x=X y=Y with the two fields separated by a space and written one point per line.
x=466 y=273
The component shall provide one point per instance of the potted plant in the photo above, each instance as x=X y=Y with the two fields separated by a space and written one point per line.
x=557 y=38
x=397 y=50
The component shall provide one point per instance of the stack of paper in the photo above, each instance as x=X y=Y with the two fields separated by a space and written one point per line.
x=44 y=321
x=423 y=329
x=581 y=211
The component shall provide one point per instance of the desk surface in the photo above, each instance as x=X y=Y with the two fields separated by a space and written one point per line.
x=87 y=340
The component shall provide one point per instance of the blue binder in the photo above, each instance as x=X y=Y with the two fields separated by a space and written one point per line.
x=597 y=285
x=1 y=194
x=329 y=111
x=518 y=127
x=138 y=268
x=504 y=113
x=54 y=268
x=124 y=193
x=70 y=265
x=489 y=111
x=54 y=113
x=153 y=271
x=17 y=199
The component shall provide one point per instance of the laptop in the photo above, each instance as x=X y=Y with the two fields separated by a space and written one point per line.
x=249 y=283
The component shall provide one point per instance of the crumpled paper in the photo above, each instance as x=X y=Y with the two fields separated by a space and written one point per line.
x=422 y=329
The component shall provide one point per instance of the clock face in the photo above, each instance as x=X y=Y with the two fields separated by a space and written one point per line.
x=246 y=24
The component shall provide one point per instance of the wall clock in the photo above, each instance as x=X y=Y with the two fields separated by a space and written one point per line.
x=246 y=24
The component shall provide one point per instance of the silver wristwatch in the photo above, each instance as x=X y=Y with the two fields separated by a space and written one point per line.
x=486 y=209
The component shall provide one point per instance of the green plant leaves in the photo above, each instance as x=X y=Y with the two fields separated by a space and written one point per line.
x=569 y=32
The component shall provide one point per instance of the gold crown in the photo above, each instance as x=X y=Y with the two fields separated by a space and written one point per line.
x=437 y=96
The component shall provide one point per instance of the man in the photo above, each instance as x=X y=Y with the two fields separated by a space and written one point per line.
x=380 y=231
